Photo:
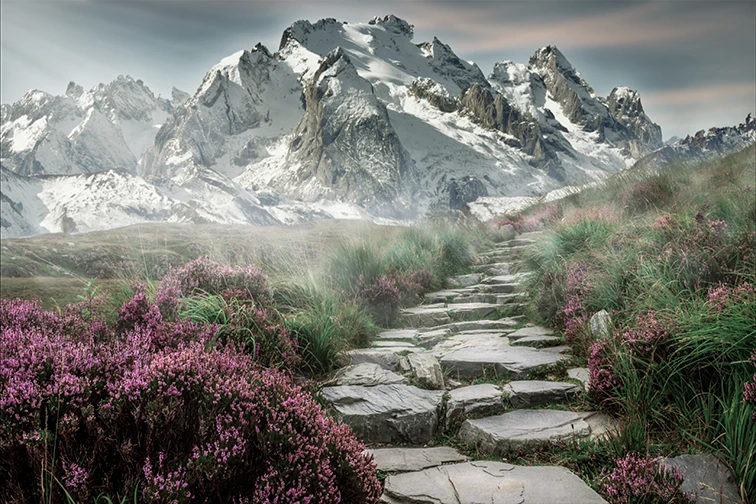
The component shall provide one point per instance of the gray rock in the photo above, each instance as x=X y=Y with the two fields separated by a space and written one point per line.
x=580 y=374
x=502 y=279
x=522 y=429
x=471 y=311
x=414 y=459
x=464 y=280
x=476 y=298
x=387 y=413
x=431 y=338
x=602 y=425
x=523 y=394
x=601 y=325
x=392 y=344
x=442 y=296
x=476 y=400
x=387 y=358
x=500 y=288
x=426 y=370
x=531 y=331
x=425 y=316
x=499 y=268
x=471 y=325
x=367 y=375
x=483 y=482
x=706 y=478
x=512 y=362
x=504 y=299
x=536 y=341
x=398 y=335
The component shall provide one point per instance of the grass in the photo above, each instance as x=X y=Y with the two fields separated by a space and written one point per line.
x=660 y=246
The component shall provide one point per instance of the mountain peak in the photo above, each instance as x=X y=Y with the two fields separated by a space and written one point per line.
x=394 y=24
x=74 y=90
x=552 y=56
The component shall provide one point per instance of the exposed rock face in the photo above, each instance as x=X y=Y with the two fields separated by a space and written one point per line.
x=492 y=110
x=108 y=127
x=447 y=64
x=346 y=145
x=464 y=191
x=705 y=478
x=636 y=132
x=424 y=88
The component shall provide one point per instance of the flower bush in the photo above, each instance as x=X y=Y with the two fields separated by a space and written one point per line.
x=642 y=480
x=149 y=404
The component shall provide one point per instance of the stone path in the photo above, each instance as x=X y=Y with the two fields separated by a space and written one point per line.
x=471 y=332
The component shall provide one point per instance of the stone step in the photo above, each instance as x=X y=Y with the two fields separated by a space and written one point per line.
x=503 y=299
x=536 y=341
x=366 y=375
x=498 y=268
x=387 y=413
x=484 y=399
x=388 y=358
x=488 y=482
x=472 y=325
x=502 y=279
x=397 y=460
x=529 y=393
x=424 y=316
x=444 y=296
x=531 y=331
x=464 y=280
x=504 y=361
x=503 y=288
x=526 y=429
x=519 y=242
x=477 y=298
x=472 y=311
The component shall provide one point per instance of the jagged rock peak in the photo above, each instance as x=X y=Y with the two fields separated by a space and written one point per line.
x=509 y=72
x=395 y=25
x=550 y=58
x=74 y=90
x=259 y=47
x=625 y=100
x=302 y=28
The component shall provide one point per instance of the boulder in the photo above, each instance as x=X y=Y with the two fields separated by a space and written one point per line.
x=464 y=280
x=387 y=413
x=706 y=478
x=476 y=400
x=601 y=325
x=505 y=361
x=426 y=370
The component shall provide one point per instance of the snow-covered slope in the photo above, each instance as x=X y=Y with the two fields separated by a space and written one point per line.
x=107 y=127
x=348 y=120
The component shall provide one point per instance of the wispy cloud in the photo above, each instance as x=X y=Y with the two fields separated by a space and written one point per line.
x=715 y=93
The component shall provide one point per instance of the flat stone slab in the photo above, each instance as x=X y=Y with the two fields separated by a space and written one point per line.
x=387 y=413
x=484 y=482
x=528 y=393
x=387 y=358
x=392 y=344
x=472 y=325
x=367 y=375
x=474 y=341
x=504 y=361
x=502 y=279
x=580 y=374
x=522 y=429
x=398 y=335
x=468 y=311
x=706 y=478
x=531 y=331
x=476 y=400
x=503 y=288
x=464 y=280
x=442 y=296
x=476 y=298
x=392 y=460
x=425 y=316
x=536 y=341
x=496 y=268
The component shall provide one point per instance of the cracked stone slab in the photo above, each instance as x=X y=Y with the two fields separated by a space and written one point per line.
x=484 y=399
x=475 y=341
x=484 y=482
x=367 y=375
x=388 y=358
x=502 y=279
x=535 y=341
x=527 y=393
x=414 y=459
x=503 y=361
x=398 y=335
x=522 y=429
x=387 y=413
x=496 y=268
x=442 y=296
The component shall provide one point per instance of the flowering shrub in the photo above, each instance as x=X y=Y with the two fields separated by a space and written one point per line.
x=641 y=480
x=722 y=295
x=203 y=275
x=574 y=313
x=604 y=383
x=158 y=409
x=651 y=193
x=381 y=298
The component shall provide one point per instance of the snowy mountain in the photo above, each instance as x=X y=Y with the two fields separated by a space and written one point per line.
x=344 y=120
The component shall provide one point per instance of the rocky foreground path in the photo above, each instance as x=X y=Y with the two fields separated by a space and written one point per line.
x=414 y=384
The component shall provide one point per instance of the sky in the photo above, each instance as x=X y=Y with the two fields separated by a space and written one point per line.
x=693 y=61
